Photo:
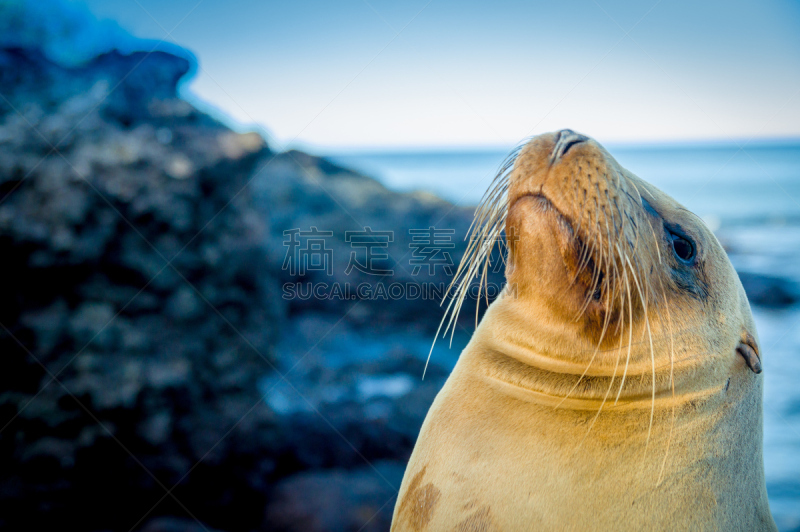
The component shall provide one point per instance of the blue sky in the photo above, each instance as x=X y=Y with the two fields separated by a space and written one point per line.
x=379 y=73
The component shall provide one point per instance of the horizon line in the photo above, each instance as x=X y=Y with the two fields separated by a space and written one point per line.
x=270 y=138
x=672 y=143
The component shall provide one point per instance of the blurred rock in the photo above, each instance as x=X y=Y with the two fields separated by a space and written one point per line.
x=134 y=261
x=378 y=407
x=144 y=253
x=769 y=291
x=67 y=33
x=354 y=500
x=299 y=192
x=174 y=524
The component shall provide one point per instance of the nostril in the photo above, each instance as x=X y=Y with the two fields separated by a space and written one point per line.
x=571 y=141
x=565 y=140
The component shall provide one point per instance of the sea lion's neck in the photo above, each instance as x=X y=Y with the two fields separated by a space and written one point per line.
x=511 y=354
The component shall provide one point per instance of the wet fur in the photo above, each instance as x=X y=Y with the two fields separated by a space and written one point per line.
x=605 y=388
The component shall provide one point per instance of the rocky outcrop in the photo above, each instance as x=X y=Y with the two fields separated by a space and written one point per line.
x=343 y=499
x=156 y=373
x=143 y=249
x=768 y=290
x=421 y=241
x=138 y=307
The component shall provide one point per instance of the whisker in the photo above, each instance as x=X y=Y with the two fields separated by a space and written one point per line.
x=485 y=230
x=630 y=328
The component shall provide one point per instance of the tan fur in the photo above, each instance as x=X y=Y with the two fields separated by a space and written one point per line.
x=535 y=430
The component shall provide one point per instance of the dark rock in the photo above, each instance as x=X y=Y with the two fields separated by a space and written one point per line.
x=143 y=249
x=336 y=499
x=138 y=307
x=184 y=304
x=769 y=291
x=364 y=410
x=174 y=524
x=299 y=191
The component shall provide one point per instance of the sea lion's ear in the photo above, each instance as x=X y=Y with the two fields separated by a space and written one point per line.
x=749 y=351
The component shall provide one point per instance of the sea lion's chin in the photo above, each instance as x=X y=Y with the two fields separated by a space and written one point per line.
x=545 y=260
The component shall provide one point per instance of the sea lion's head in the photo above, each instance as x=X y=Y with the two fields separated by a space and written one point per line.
x=608 y=277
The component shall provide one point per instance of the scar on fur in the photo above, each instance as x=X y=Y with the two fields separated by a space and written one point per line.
x=419 y=502
x=480 y=521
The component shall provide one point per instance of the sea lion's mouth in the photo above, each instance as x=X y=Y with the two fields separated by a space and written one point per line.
x=546 y=207
x=578 y=257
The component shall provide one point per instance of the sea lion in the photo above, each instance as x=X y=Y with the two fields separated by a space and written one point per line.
x=613 y=385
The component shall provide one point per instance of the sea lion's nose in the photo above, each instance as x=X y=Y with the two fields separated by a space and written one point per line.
x=565 y=139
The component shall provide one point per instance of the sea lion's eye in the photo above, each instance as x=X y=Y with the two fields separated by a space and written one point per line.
x=682 y=247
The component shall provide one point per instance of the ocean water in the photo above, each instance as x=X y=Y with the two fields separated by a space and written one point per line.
x=749 y=195
x=753 y=183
